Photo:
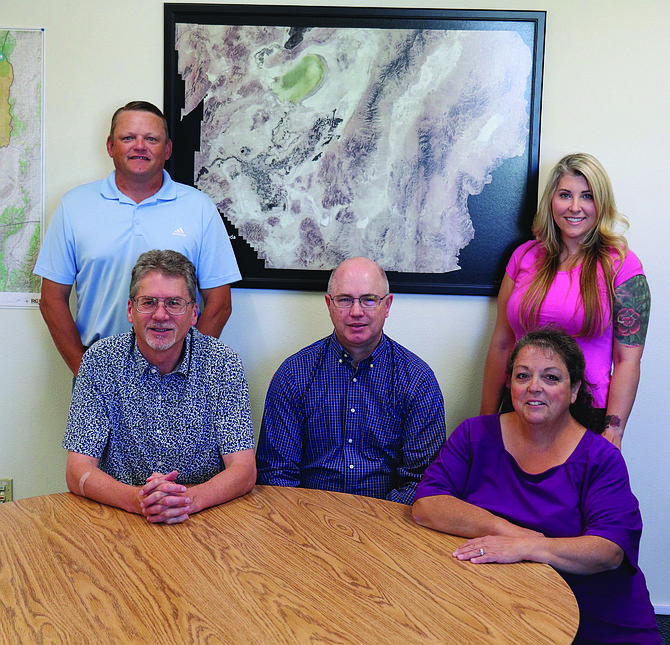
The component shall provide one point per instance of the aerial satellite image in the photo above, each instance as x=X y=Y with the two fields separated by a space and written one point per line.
x=319 y=144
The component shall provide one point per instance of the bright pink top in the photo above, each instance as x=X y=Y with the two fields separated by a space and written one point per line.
x=563 y=306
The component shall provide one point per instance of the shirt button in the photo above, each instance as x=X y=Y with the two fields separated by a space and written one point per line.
x=352 y=410
x=153 y=370
x=355 y=380
x=160 y=463
x=372 y=364
x=350 y=440
x=351 y=466
x=137 y=221
x=340 y=360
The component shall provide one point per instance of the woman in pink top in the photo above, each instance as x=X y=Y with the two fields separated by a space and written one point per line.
x=577 y=273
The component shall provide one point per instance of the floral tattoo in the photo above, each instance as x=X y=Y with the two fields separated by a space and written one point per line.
x=612 y=421
x=631 y=311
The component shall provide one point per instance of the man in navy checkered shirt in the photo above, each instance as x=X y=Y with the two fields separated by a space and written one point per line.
x=354 y=412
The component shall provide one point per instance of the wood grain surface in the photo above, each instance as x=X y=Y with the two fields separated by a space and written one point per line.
x=279 y=565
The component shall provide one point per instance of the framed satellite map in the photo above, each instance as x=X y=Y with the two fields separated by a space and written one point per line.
x=409 y=136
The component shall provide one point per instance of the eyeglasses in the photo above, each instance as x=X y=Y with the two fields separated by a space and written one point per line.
x=149 y=304
x=369 y=301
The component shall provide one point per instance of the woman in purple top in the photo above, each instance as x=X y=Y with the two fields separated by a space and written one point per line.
x=578 y=273
x=534 y=484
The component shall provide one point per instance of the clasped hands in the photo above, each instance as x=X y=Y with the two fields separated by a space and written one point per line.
x=162 y=500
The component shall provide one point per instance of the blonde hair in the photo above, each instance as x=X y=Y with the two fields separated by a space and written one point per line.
x=595 y=250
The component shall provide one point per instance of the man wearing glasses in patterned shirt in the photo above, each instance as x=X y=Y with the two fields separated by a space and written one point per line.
x=160 y=422
x=354 y=412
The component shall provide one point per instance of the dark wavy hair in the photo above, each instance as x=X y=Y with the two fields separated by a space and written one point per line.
x=556 y=340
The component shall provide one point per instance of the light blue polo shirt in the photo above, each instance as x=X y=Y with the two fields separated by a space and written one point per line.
x=97 y=233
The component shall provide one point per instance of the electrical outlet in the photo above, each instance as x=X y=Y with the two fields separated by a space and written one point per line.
x=6 y=494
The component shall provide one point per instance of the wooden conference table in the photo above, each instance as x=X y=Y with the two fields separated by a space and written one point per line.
x=279 y=565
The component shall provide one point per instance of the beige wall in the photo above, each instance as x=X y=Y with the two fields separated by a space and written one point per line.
x=605 y=92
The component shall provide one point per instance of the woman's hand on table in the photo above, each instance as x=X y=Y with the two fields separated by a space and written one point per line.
x=581 y=555
x=497 y=548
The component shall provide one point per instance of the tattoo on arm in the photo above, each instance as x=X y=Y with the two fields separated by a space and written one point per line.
x=612 y=421
x=632 y=303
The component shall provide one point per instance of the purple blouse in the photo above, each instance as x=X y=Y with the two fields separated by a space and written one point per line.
x=589 y=494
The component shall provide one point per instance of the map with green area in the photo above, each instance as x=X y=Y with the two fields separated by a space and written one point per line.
x=325 y=143
x=21 y=185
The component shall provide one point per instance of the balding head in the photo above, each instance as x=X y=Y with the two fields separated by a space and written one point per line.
x=358 y=265
x=358 y=328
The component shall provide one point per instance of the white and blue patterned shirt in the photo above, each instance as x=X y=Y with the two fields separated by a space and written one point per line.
x=370 y=430
x=137 y=422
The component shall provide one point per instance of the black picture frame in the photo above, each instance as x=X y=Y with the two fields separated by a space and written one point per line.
x=501 y=213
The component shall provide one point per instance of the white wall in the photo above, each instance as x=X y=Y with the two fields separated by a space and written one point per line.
x=605 y=92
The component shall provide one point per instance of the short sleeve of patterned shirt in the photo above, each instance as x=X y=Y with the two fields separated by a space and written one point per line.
x=136 y=422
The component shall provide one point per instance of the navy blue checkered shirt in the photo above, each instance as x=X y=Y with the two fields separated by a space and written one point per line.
x=370 y=430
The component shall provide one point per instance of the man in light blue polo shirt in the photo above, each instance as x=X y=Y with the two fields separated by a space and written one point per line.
x=99 y=230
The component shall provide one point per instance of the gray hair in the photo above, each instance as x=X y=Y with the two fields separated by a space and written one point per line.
x=168 y=263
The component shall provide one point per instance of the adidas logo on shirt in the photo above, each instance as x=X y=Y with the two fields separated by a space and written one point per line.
x=179 y=232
